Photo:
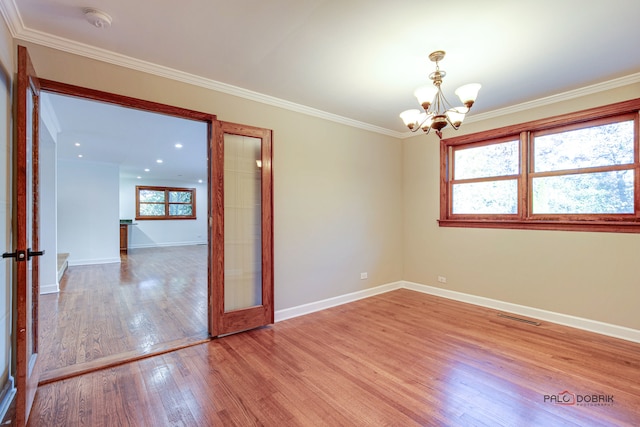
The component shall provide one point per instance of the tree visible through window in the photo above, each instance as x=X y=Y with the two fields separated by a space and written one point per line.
x=576 y=172
x=165 y=203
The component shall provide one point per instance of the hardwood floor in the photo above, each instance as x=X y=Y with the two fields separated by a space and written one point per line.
x=154 y=299
x=401 y=358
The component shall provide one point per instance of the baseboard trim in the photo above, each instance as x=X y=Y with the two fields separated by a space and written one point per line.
x=166 y=244
x=595 y=326
x=49 y=289
x=73 y=263
x=6 y=396
x=536 y=313
x=301 y=310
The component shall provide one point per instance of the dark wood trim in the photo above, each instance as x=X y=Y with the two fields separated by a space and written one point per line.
x=224 y=321
x=595 y=226
x=525 y=219
x=124 y=101
x=119 y=359
x=166 y=203
x=216 y=227
x=27 y=366
x=616 y=109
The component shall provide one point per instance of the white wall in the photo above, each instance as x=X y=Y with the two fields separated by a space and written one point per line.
x=88 y=213
x=48 y=213
x=154 y=233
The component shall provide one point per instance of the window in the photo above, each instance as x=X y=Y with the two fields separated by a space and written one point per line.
x=165 y=203
x=575 y=172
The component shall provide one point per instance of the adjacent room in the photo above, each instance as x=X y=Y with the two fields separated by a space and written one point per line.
x=127 y=281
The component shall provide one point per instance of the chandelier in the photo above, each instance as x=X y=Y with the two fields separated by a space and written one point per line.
x=438 y=112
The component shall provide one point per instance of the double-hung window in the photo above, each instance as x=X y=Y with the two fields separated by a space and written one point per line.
x=165 y=203
x=575 y=172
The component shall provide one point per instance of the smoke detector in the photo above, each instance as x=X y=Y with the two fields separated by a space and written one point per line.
x=97 y=18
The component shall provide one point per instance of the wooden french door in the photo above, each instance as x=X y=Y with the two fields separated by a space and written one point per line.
x=26 y=235
x=242 y=228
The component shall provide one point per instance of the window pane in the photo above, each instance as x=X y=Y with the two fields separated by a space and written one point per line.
x=151 y=209
x=180 y=210
x=605 y=145
x=487 y=161
x=493 y=197
x=151 y=196
x=180 y=196
x=592 y=193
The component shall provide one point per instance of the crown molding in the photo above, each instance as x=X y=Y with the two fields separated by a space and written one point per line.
x=564 y=96
x=548 y=100
x=12 y=17
x=19 y=31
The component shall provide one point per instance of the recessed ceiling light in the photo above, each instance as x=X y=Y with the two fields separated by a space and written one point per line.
x=178 y=145
x=77 y=144
x=139 y=177
x=200 y=181
x=79 y=155
x=159 y=161
x=147 y=170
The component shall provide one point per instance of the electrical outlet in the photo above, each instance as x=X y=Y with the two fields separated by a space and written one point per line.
x=442 y=279
x=364 y=276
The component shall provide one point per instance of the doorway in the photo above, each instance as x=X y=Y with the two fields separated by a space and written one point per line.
x=119 y=302
x=222 y=317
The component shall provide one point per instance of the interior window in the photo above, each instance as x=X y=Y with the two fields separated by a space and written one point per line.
x=165 y=203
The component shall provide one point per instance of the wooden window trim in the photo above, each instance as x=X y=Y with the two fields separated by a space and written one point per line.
x=166 y=203
x=524 y=220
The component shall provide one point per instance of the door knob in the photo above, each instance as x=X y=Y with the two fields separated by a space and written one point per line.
x=18 y=255
x=31 y=253
x=21 y=255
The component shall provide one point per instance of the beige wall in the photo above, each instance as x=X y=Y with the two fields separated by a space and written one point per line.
x=337 y=189
x=589 y=275
x=349 y=201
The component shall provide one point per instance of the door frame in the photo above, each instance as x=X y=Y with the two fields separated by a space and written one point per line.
x=220 y=321
x=27 y=367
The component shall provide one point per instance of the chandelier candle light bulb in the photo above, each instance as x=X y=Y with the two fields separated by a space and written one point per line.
x=438 y=112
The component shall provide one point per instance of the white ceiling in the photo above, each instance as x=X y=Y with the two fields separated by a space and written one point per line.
x=356 y=61
x=136 y=140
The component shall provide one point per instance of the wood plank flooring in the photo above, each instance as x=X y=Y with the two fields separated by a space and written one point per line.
x=154 y=298
x=398 y=359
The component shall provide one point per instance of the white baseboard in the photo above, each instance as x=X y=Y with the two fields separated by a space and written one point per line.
x=166 y=244
x=49 y=289
x=6 y=396
x=602 y=328
x=301 y=310
x=93 y=261
x=536 y=313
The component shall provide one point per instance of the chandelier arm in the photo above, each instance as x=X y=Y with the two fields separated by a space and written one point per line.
x=451 y=123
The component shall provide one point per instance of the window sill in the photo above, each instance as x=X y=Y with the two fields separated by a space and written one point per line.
x=594 y=226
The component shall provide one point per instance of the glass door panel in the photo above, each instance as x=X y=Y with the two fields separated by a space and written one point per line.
x=242 y=222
